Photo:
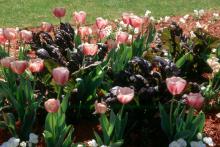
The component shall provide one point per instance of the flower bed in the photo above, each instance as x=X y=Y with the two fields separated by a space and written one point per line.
x=111 y=84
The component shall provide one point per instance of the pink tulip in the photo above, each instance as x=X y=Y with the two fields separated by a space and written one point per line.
x=2 y=37
x=36 y=65
x=61 y=75
x=125 y=94
x=59 y=12
x=111 y=44
x=18 y=67
x=175 y=85
x=136 y=21
x=105 y=32
x=129 y=41
x=90 y=49
x=195 y=100
x=122 y=37
x=100 y=108
x=126 y=18
x=52 y=105
x=10 y=33
x=80 y=17
x=84 y=31
x=101 y=23
x=26 y=35
x=46 y=27
x=102 y=34
x=6 y=62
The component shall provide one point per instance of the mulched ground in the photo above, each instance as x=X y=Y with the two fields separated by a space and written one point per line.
x=213 y=27
x=212 y=128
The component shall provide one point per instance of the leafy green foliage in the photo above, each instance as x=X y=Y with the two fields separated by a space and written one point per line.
x=210 y=91
x=112 y=129
x=3 y=52
x=190 y=54
x=119 y=58
x=57 y=133
x=142 y=43
x=88 y=84
x=21 y=96
x=184 y=125
x=8 y=123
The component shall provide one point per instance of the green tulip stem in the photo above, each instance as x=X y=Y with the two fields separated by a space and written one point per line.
x=53 y=125
x=9 y=45
x=121 y=112
x=142 y=30
x=4 y=46
x=171 y=111
x=59 y=93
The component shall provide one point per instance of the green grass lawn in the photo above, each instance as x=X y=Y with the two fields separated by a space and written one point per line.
x=24 y=13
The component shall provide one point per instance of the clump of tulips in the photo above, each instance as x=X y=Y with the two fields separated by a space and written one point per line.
x=193 y=124
x=19 y=66
x=56 y=131
x=19 y=90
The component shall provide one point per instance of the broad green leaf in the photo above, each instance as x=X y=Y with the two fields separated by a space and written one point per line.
x=218 y=52
x=61 y=135
x=164 y=120
x=98 y=139
x=68 y=140
x=184 y=59
x=117 y=143
x=138 y=46
x=77 y=40
x=189 y=117
x=199 y=121
x=105 y=124
x=47 y=134
x=48 y=137
x=183 y=134
x=112 y=122
x=50 y=64
x=151 y=34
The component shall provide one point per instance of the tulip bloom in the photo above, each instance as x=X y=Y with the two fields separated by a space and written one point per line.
x=10 y=33
x=90 y=49
x=105 y=32
x=122 y=37
x=52 y=105
x=6 y=62
x=125 y=94
x=60 y=75
x=101 y=23
x=175 y=85
x=18 y=67
x=100 y=108
x=136 y=21
x=2 y=37
x=195 y=100
x=111 y=44
x=59 y=12
x=80 y=17
x=36 y=65
x=126 y=18
x=26 y=36
x=84 y=31
x=46 y=27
